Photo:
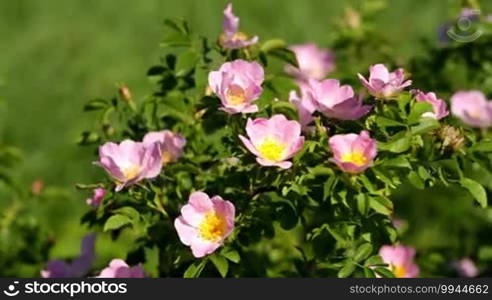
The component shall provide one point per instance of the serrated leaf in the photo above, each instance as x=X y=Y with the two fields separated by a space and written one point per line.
x=195 y=269
x=272 y=44
x=363 y=252
x=347 y=269
x=116 y=222
x=231 y=255
x=96 y=104
x=418 y=109
x=221 y=264
x=384 y=272
x=186 y=62
x=381 y=205
x=415 y=180
x=397 y=145
x=425 y=125
x=476 y=189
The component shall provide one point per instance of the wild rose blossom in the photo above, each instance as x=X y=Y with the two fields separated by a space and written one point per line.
x=231 y=37
x=305 y=108
x=313 y=62
x=353 y=153
x=337 y=101
x=439 y=106
x=237 y=84
x=97 y=196
x=273 y=140
x=465 y=267
x=472 y=108
x=171 y=144
x=400 y=260
x=205 y=223
x=118 y=268
x=129 y=162
x=382 y=84
x=79 y=267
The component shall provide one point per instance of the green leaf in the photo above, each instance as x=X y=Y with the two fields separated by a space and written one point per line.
x=231 y=255
x=384 y=272
x=369 y=273
x=195 y=269
x=128 y=211
x=284 y=55
x=416 y=112
x=220 y=263
x=116 y=222
x=374 y=260
x=363 y=252
x=415 y=180
x=425 y=125
x=482 y=146
x=96 y=104
x=347 y=269
x=386 y=122
x=272 y=44
x=476 y=189
x=186 y=62
x=381 y=205
x=362 y=203
x=398 y=145
x=398 y=162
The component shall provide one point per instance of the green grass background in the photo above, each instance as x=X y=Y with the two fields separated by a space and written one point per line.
x=57 y=54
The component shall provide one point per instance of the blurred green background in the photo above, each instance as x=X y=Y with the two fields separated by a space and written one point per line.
x=56 y=55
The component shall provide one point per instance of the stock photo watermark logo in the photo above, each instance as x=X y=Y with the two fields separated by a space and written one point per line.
x=65 y=288
x=12 y=290
x=465 y=30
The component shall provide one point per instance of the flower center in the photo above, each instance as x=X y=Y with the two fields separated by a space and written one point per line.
x=356 y=157
x=236 y=95
x=239 y=36
x=167 y=157
x=131 y=172
x=399 y=271
x=213 y=227
x=272 y=150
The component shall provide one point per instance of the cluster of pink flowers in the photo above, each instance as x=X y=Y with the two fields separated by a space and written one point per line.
x=206 y=222
x=130 y=162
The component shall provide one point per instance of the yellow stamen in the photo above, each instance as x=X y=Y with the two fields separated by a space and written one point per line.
x=131 y=172
x=272 y=150
x=239 y=36
x=399 y=271
x=167 y=157
x=213 y=227
x=236 y=95
x=356 y=157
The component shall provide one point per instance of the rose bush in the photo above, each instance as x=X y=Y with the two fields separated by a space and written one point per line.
x=309 y=165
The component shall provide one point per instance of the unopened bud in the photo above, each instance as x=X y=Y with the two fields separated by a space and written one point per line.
x=452 y=138
x=352 y=18
x=125 y=93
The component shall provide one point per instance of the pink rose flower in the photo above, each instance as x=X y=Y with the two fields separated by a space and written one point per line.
x=237 y=84
x=313 y=62
x=205 y=223
x=79 y=267
x=400 y=260
x=465 y=267
x=97 y=196
x=439 y=107
x=472 y=108
x=129 y=162
x=171 y=144
x=273 y=140
x=353 y=153
x=336 y=101
x=305 y=108
x=382 y=84
x=231 y=37
x=119 y=269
